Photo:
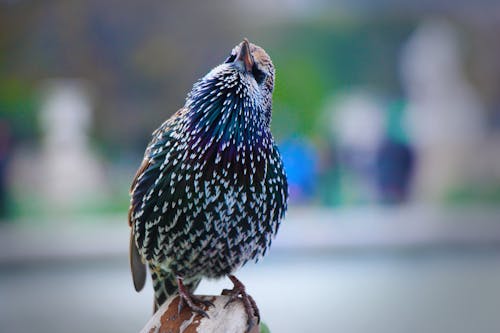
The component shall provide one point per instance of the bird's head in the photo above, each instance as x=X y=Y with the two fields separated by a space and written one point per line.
x=244 y=81
x=254 y=63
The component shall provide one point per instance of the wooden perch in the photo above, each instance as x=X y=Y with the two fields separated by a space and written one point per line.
x=232 y=319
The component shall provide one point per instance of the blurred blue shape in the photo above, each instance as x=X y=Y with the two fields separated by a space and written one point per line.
x=395 y=158
x=301 y=160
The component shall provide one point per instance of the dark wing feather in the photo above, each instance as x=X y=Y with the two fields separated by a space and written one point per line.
x=137 y=267
x=143 y=180
x=134 y=191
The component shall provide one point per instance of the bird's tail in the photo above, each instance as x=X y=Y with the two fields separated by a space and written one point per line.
x=165 y=285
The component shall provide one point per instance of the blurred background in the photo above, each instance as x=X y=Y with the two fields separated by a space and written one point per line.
x=387 y=114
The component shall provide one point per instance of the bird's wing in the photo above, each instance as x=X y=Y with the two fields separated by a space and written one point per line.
x=141 y=184
x=134 y=190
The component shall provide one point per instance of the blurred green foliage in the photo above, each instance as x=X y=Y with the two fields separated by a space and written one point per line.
x=296 y=103
x=18 y=106
x=316 y=59
x=474 y=194
x=264 y=328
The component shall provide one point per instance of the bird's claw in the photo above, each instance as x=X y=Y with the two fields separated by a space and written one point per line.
x=186 y=298
x=191 y=303
x=239 y=292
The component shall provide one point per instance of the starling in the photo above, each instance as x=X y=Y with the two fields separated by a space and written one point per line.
x=211 y=190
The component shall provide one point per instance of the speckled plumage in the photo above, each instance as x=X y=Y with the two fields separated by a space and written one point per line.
x=211 y=190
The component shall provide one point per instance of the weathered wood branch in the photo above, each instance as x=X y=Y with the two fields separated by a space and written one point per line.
x=232 y=319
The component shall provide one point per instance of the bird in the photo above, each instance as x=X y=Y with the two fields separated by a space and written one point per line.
x=211 y=191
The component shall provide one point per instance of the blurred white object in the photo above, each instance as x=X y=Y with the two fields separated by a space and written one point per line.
x=444 y=112
x=70 y=172
x=358 y=121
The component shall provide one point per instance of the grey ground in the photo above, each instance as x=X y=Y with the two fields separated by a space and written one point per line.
x=406 y=270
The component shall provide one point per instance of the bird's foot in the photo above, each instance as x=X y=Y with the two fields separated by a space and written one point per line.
x=239 y=292
x=193 y=302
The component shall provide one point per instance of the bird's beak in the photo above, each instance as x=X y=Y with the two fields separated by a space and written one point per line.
x=244 y=56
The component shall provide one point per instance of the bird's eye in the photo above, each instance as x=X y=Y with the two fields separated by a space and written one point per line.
x=258 y=74
x=231 y=58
